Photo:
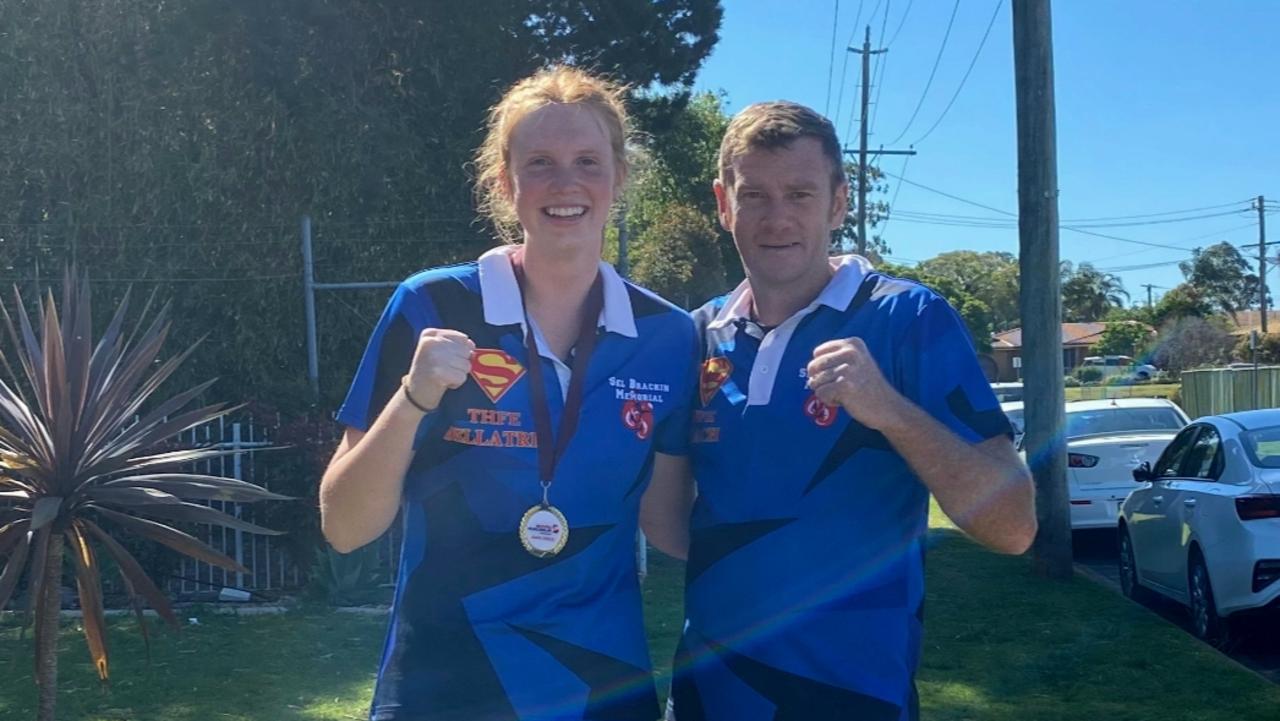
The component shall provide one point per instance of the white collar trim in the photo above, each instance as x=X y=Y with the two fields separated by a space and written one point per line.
x=503 y=306
x=849 y=272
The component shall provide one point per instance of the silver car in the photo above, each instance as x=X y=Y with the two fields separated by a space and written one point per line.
x=1203 y=525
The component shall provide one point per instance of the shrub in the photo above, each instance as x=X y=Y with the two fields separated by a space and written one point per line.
x=1089 y=375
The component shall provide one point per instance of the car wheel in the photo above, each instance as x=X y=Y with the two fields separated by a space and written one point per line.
x=1205 y=621
x=1129 y=584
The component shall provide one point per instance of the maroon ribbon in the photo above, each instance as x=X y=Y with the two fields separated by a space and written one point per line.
x=549 y=454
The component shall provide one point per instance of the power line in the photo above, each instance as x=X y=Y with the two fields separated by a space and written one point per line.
x=972 y=63
x=1162 y=213
x=944 y=194
x=894 y=202
x=881 y=63
x=1005 y=212
x=1185 y=240
x=937 y=61
x=902 y=22
x=844 y=65
x=831 y=67
x=1006 y=222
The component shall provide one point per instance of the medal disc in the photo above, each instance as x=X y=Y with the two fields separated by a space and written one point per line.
x=544 y=531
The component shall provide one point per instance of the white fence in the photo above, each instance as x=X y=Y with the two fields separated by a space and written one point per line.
x=269 y=568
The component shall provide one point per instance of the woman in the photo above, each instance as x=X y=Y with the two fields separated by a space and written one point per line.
x=512 y=408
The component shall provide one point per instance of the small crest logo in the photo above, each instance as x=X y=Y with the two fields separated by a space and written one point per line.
x=638 y=416
x=715 y=371
x=495 y=372
x=820 y=413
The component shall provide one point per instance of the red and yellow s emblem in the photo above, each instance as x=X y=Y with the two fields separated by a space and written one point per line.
x=495 y=372
x=715 y=371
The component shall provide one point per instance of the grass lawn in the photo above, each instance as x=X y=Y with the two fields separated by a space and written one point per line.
x=1150 y=390
x=999 y=645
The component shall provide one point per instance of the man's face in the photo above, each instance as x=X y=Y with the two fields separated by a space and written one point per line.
x=781 y=208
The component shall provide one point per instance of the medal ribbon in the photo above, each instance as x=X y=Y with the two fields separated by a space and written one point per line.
x=549 y=453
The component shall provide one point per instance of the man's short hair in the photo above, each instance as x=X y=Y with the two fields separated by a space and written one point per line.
x=777 y=124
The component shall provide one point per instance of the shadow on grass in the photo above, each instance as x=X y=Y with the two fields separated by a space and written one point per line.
x=1005 y=645
x=293 y=666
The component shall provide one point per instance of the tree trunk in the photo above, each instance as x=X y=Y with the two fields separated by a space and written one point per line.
x=48 y=608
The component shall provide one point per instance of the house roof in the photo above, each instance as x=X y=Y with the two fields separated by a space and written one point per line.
x=1073 y=334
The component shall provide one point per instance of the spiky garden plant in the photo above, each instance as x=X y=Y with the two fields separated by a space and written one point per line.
x=82 y=460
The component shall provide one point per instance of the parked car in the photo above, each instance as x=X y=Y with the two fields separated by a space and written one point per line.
x=1106 y=440
x=1007 y=392
x=1120 y=365
x=1203 y=526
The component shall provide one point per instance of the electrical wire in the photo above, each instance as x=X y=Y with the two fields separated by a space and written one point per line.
x=831 y=67
x=937 y=61
x=964 y=79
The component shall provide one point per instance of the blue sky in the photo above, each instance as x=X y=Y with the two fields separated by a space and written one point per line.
x=1161 y=106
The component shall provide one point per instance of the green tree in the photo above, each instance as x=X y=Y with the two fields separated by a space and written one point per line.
x=678 y=258
x=990 y=276
x=1128 y=337
x=1221 y=275
x=1268 y=352
x=846 y=239
x=678 y=167
x=1088 y=294
x=175 y=145
x=973 y=310
x=1184 y=301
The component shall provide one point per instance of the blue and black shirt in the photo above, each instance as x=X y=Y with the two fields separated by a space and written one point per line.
x=480 y=629
x=805 y=580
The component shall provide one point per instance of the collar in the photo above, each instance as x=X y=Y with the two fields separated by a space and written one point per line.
x=850 y=270
x=503 y=306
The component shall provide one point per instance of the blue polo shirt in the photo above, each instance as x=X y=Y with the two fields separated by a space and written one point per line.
x=480 y=629
x=805 y=579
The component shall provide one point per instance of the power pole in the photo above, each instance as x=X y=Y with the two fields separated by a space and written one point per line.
x=1148 y=286
x=1040 y=297
x=1262 y=261
x=866 y=52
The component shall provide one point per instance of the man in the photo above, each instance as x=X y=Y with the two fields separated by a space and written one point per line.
x=834 y=401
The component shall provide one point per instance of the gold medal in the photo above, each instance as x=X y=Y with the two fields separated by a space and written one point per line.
x=544 y=531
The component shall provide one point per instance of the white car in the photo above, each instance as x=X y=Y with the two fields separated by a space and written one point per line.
x=1007 y=392
x=1120 y=365
x=1203 y=526
x=1106 y=440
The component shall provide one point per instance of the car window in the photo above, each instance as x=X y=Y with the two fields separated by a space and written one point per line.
x=1171 y=460
x=1122 y=420
x=1015 y=420
x=1263 y=446
x=1203 y=459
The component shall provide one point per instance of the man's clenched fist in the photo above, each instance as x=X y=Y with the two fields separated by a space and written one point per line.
x=844 y=373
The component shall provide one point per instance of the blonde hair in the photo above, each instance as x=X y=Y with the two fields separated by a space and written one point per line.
x=558 y=84
x=777 y=124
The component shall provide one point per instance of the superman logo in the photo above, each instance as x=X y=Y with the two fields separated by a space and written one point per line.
x=495 y=372
x=715 y=371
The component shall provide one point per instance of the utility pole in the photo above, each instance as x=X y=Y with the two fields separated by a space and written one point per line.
x=1262 y=261
x=866 y=52
x=1040 y=297
x=1148 y=286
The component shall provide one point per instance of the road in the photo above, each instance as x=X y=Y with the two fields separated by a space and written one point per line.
x=1259 y=645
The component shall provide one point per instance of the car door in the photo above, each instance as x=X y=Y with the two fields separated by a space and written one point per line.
x=1151 y=528
x=1199 y=499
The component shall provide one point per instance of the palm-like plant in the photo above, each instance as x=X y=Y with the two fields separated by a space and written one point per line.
x=81 y=456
